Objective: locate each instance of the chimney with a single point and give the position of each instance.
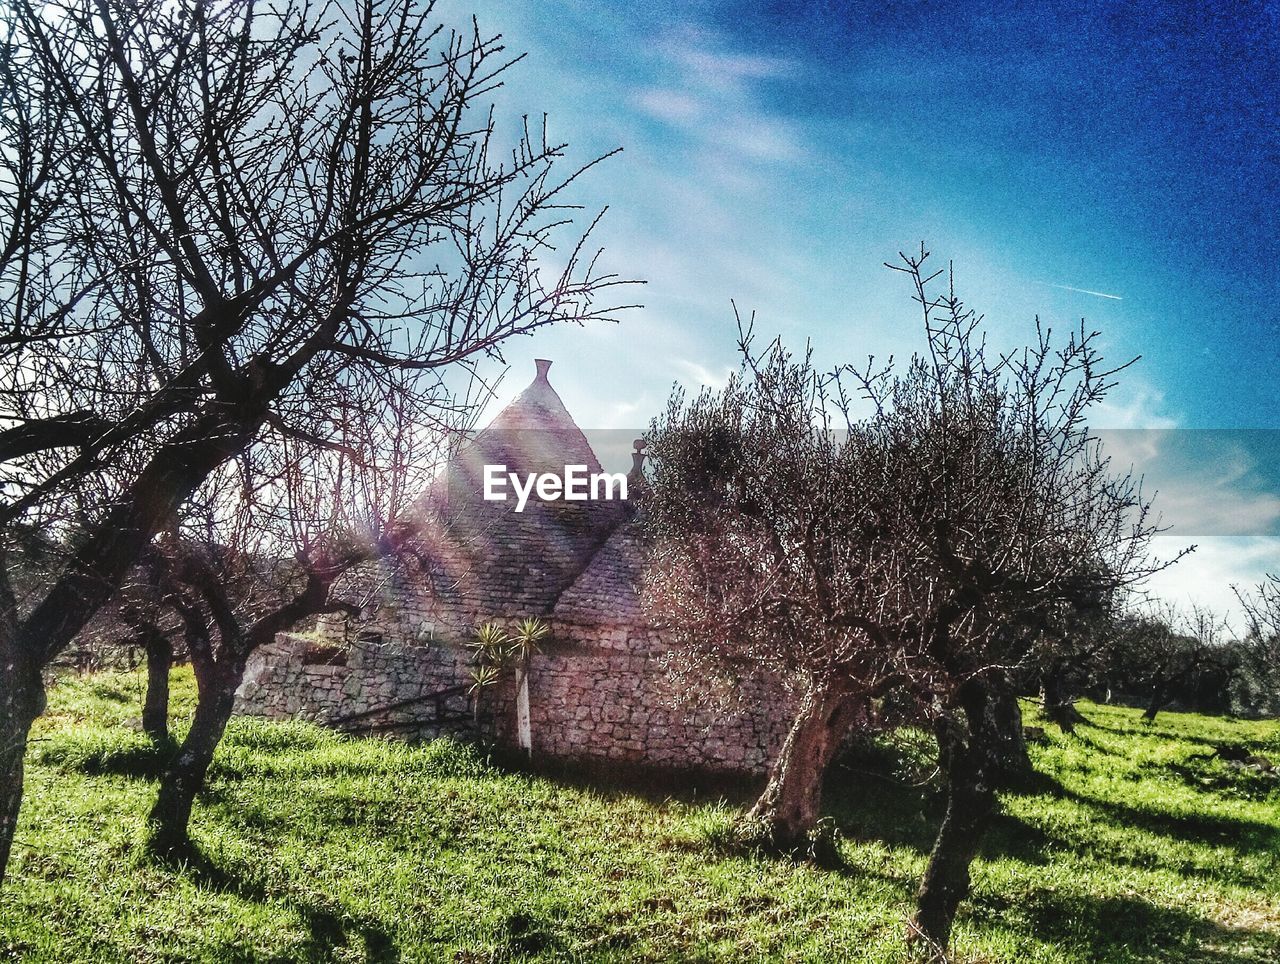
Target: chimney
(637, 460)
(544, 366)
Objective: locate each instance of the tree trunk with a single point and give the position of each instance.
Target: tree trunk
(973, 756)
(94, 573)
(1155, 704)
(155, 706)
(1009, 748)
(970, 806)
(524, 730)
(184, 778)
(791, 802)
(1059, 707)
(14, 738)
(22, 700)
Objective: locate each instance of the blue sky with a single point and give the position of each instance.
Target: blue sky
(777, 153)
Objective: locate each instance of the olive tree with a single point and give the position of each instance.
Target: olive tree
(761, 532)
(998, 509)
(1162, 653)
(1258, 682)
(906, 531)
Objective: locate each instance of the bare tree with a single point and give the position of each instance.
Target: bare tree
(141, 618)
(1071, 652)
(258, 201)
(267, 537)
(1163, 653)
(923, 551)
(1260, 648)
(998, 508)
(760, 525)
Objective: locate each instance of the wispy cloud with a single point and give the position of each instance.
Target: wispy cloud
(722, 67)
(1135, 405)
(698, 376)
(710, 94)
(1206, 482)
(669, 106)
(1083, 291)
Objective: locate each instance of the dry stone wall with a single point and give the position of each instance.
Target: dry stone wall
(301, 677)
(598, 694)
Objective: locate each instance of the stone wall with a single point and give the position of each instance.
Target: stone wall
(610, 698)
(302, 677)
(598, 694)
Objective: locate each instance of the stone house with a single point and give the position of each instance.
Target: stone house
(598, 690)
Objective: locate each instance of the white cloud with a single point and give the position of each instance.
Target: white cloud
(731, 66)
(702, 55)
(697, 377)
(1135, 405)
(761, 138)
(1205, 576)
(1204, 482)
(710, 95)
(670, 106)
(1220, 509)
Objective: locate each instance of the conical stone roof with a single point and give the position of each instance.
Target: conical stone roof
(491, 561)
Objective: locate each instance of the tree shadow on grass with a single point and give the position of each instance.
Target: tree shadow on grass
(616, 780)
(329, 928)
(1242, 835)
(1128, 928)
(1245, 837)
(142, 760)
(1157, 730)
(905, 815)
(1202, 775)
(875, 806)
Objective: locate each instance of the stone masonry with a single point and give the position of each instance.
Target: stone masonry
(599, 690)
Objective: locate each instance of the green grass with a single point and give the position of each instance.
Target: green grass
(1128, 847)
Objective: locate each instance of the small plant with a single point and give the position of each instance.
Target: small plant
(488, 653)
(494, 650)
(489, 645)
(482, 677)
(526, 639)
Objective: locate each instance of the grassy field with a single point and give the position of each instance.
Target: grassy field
(1131, 847)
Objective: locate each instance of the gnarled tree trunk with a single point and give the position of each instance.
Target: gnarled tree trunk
(1009, 740)
(791, 802)
(184, 778)
(977, 752)
(219, 670)
(1156, 702)
(1059, 707)
(970, 806)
